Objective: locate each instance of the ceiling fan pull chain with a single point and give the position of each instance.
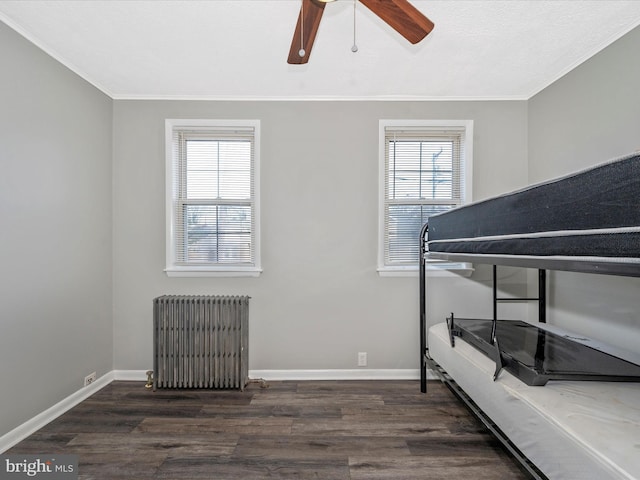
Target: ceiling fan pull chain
(354, 48)
(301, 52)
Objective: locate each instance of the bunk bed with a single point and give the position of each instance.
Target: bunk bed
(565, 405)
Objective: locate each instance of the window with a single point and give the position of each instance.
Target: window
(423, 167)
(212, 198)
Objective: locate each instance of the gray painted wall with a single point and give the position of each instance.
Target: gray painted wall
(589, 116)
(319, 300)
(55, 240)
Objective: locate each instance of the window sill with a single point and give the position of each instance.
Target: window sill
(206, 271)
(442, 270)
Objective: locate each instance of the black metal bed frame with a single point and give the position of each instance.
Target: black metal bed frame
(488, 343)
(541, 299)
(491, 348)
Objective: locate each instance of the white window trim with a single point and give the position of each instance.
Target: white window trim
(461, 269)
(173, 270)
(433, 269)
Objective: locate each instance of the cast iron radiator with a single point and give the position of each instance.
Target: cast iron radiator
(200, 341)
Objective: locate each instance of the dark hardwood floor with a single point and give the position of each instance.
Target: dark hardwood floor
(292, 430)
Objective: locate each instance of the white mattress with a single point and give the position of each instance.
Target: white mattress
(569, 430)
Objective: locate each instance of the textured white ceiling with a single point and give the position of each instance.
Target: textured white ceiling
(237, 49)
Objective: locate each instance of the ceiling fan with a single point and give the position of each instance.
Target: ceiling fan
(398, 14)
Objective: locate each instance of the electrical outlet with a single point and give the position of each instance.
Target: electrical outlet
(362, 359)
(89, 379)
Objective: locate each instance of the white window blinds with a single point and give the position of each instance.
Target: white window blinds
(423, 174)
(213, 198)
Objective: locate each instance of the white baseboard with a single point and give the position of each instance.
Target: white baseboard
(300, 375)
(327, 374)
(337, 374)
(36, 423)
(130, 375)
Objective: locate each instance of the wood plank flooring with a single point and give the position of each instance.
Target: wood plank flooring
(292, 430)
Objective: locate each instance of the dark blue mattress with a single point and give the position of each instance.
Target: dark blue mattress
(588, 221)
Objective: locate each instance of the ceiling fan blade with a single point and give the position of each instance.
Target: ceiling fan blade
(306, 29)
(403, 17)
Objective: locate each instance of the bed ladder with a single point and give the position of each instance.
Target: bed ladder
(541, 298)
